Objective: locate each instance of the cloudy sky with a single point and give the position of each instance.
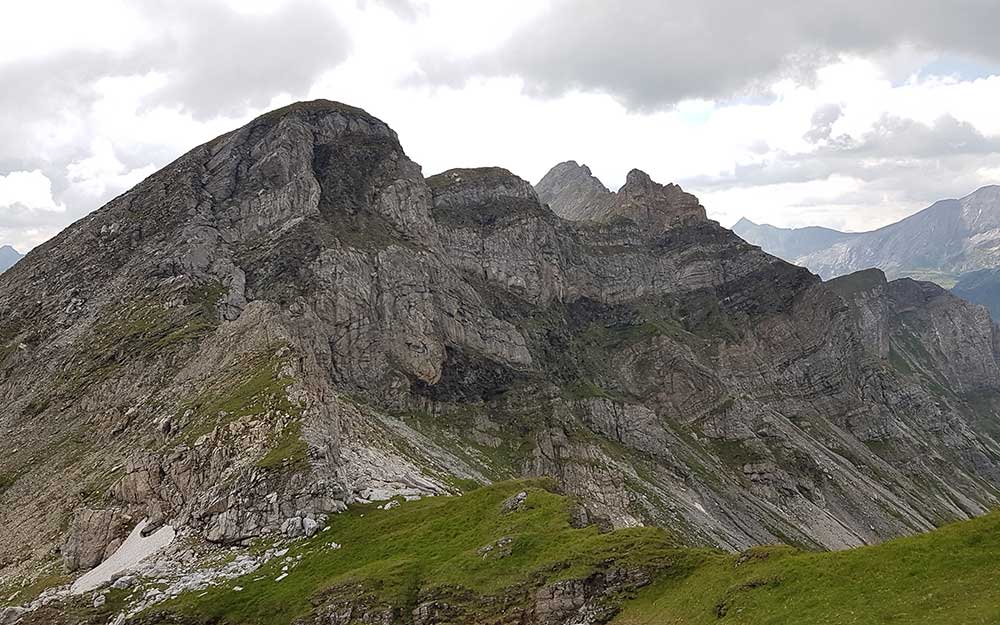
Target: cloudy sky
(848, 113)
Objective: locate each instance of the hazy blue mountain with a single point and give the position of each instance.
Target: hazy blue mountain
(789, 242)
(940, 243)
(981, 287)
(955, 243)
(8, 256)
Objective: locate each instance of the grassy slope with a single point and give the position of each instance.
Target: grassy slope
(946, 577)
(432, 543)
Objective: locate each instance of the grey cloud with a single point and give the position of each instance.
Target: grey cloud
(822, 123)
(898, 158)
(651, 54)
(407, 9)
(894, 137)
(217, 62)
(221, 62)
(894, 146)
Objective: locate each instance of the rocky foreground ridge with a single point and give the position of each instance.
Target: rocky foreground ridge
(291, 319)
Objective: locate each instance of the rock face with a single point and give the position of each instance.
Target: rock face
(8, 256)
(93, 536)
(291, 318)
(572, 192)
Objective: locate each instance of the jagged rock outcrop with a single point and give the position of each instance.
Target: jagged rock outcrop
(93, 536)
(572, 192)
(658, 207)
(291, 318)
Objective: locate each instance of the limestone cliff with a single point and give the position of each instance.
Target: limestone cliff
(291, 318)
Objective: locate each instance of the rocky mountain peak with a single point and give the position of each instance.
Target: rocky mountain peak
(654, 205)
(291, 319)
(638, 178)
(573, 192)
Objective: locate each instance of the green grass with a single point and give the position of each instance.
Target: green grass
(252, 386)
(389, 556)
(290, 449)
(857, 282)
(392, 559)
(946, 577)
(585, 389)
(18, 595)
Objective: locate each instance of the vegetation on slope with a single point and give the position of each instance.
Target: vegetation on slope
(468, 551)
(460, 546)
(945, 577)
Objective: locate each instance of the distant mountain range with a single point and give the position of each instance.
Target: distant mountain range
(955, 243)
(8, 256)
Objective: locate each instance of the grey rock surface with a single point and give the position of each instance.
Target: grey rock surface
(320, 325)
(572, 192)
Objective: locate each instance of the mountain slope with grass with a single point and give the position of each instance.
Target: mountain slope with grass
(515, 552)
(944, 577)
(291, 320)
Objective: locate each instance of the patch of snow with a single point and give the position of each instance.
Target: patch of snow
(700, 507)
(134, 550)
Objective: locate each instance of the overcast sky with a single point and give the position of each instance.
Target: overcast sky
(849, 114)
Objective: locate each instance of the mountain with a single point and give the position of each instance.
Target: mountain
(572, 192)
(290, 328)
(790, 243)
(8, 256)
(955, 243)
(982, 287)
(941, 242)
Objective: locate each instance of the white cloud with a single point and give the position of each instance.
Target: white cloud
(20, 190)
(100, 131)
(101, 173)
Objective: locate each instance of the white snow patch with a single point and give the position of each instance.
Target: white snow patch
(700, 507)
(134, 550)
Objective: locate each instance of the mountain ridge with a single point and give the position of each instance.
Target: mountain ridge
(291, 319)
